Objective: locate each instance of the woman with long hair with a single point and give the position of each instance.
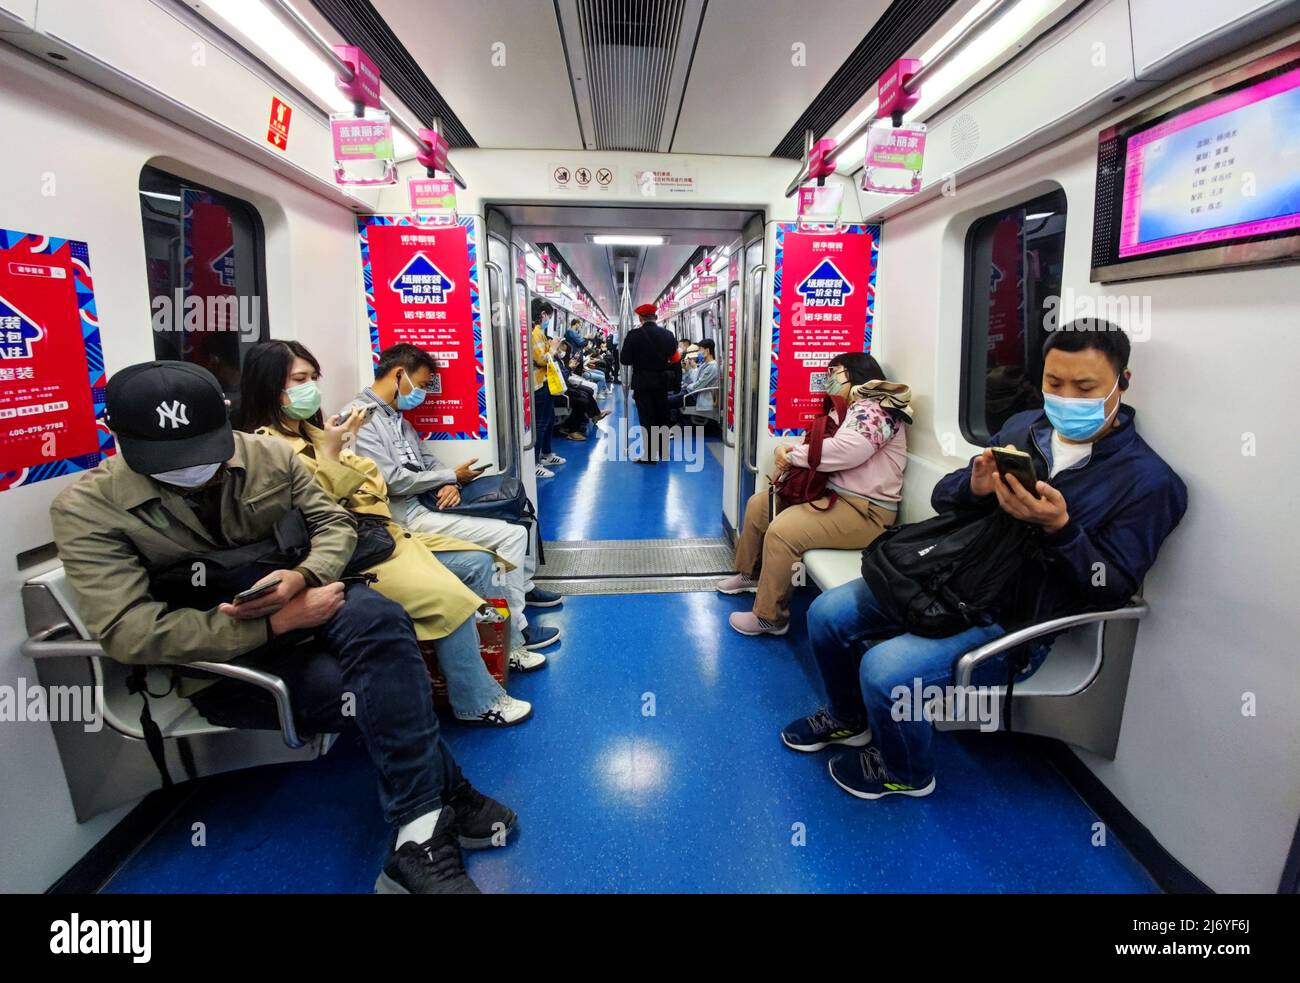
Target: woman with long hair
(280, 399)
(864, 460)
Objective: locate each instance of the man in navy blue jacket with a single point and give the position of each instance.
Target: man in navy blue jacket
(1108, 503)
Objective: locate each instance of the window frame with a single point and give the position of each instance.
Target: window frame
(248, 234)
(979, 437)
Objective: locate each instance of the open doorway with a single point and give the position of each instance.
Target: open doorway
(611, 522)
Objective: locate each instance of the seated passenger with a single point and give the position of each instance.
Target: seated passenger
(583, 408)
(704, 376)
(1110, 503)
(281, 399)
(410, 468)
(865, 460)
(185, 485)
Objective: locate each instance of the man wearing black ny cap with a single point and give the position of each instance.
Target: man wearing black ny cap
(186, 485)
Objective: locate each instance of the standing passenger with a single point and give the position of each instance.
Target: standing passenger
(648, 349)
(542, 350)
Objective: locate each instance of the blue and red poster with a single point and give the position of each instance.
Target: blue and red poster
(823, 303)
(421, 287)
(51, 362)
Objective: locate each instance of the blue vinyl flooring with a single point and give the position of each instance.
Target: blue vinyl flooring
(652, 764)
(598, 496)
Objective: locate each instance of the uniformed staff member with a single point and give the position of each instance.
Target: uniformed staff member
(649, 350)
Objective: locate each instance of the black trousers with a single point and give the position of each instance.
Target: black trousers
(652, 413)
(362, 674)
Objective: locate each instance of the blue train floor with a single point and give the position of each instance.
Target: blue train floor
(597, 495)
(652, 763)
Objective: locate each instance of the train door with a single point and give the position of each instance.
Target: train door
(750, 362)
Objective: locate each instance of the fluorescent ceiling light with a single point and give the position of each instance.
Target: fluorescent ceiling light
(281, 43)
(620, 240)
(159, 194)
(1009, 26)
(533, 262)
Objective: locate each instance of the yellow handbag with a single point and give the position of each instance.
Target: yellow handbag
(555, 381)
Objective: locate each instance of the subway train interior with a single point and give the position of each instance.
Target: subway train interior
(668, 337)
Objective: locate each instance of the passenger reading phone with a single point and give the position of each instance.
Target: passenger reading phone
(1111, 503)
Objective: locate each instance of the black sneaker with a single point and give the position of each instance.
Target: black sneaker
(432, 867)
(481, 821)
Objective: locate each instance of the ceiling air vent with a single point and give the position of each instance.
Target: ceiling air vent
(965, 137)
(628, 63)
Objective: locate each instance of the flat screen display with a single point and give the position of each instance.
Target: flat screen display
(1227, 169)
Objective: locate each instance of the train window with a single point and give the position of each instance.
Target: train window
(204, 257)
(1013, 269)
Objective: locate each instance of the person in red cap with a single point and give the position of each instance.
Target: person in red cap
(649, 350)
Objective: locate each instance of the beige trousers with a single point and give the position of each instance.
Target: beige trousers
(770, 550)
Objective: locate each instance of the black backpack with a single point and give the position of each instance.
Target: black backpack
(943, 575)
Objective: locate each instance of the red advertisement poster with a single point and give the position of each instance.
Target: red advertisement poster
(208, 252)
(526, 347)
(732, 314)
(421, 282)
(824, 297)
(51, 366)
(1006, 290)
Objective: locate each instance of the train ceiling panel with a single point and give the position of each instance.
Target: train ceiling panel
(734, 77)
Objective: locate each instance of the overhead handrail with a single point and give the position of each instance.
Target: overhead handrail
(308, 34)
(910, 85)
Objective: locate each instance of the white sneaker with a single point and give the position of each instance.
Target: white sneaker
(505, 712)
(522, 660)
(552, 459)
(544, 472)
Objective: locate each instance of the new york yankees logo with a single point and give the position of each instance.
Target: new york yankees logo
(175, 414)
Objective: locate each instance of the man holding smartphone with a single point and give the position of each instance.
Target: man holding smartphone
(411, 469)
(185, 485)
(1110, 503)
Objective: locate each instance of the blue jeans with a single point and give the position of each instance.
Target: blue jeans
(596, 376)
(370, 677)
(543, 419)
(470, 686)
(860, 687)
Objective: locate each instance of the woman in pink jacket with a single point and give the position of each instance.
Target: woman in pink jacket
(864, 460)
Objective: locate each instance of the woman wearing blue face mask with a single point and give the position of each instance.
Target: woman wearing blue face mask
(438, 579)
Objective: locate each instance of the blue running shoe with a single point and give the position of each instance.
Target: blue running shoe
(538, 637)
(862, 774)
(540, 598)
(822, 730)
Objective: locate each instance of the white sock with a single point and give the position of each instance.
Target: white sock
(418, 829)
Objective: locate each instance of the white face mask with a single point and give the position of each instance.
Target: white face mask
(191, 477)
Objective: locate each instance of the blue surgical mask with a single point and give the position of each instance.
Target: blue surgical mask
(409, 401)
(1078, 418)
(304, 401)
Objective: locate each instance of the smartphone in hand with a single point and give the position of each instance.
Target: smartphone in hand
(261, 590)
(1013, 461)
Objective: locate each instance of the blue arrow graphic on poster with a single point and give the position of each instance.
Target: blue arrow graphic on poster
(825, 286)
(224, 267)
(17, 332)
(420, 282)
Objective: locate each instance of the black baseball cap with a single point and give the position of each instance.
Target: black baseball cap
(168, 415)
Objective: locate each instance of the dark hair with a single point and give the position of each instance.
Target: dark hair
(859, 366)
(1092, 333)
(406, 356)
(541, 308)
(266, 366)
(707, 345)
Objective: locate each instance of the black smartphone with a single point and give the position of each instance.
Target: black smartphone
(1013, 461)
(481, 468)
(261, 590)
